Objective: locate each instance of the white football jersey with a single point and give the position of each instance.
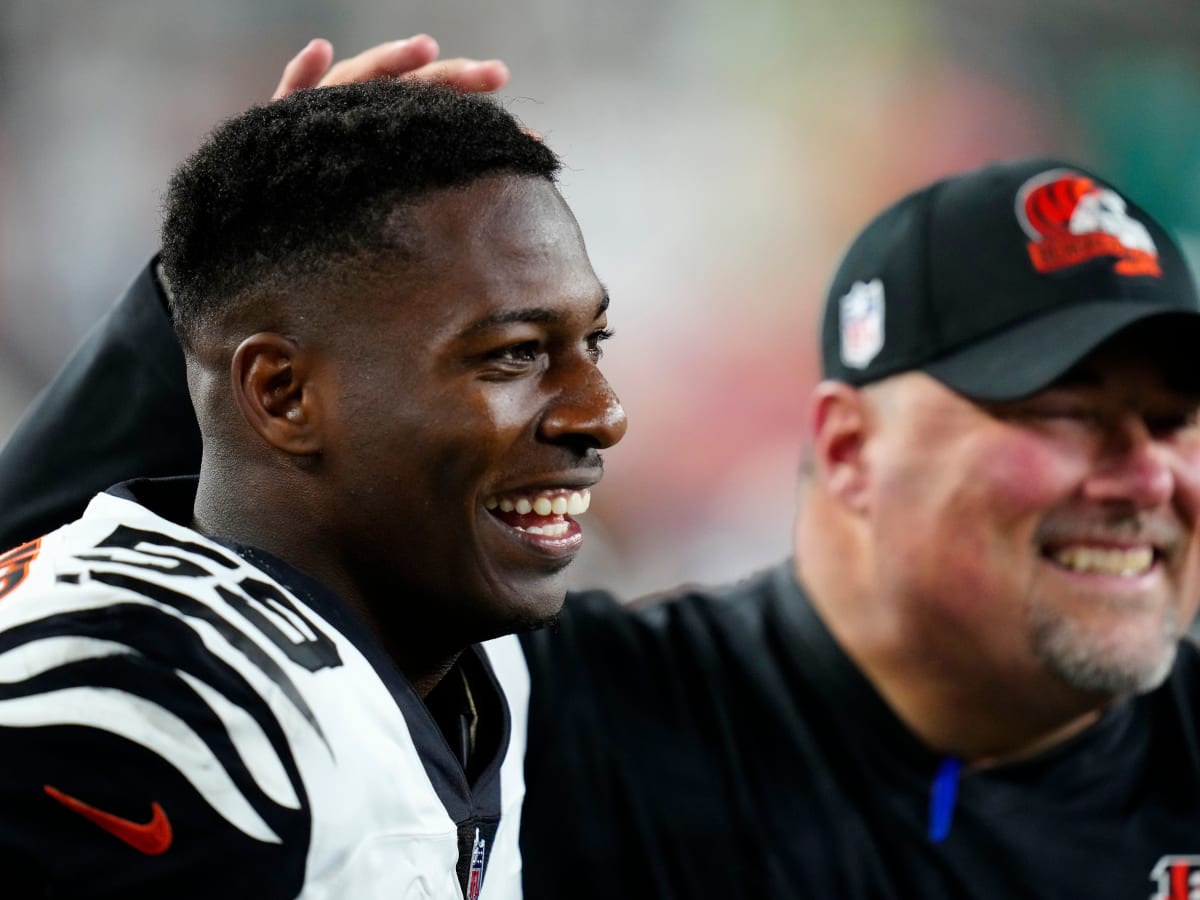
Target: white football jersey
(184, 718)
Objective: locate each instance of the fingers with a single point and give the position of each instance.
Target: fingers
(468, 75)
(384, 61)
(415, 57)
(306, 68)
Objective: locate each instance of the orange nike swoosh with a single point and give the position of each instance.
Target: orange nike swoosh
(152, 838)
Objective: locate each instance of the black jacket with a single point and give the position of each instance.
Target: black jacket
(119, 409)
(722, 744)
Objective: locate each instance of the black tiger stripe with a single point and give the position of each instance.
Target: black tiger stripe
(158, 683)
(193, 608)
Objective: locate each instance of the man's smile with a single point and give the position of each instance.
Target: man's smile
(1096, 559)
(1129, 549)
(544, 513)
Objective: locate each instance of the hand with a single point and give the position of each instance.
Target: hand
(414, 58)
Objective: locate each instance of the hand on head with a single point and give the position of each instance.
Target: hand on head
(415, 57)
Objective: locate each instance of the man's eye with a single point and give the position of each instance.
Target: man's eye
(1050, 413)
(524, 352)
(1065, 412)
(1172, 423)
(594, 340)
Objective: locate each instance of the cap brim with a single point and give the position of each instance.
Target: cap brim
(1028, 357)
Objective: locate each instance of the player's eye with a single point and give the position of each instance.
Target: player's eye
(524, 352)
(594, 340)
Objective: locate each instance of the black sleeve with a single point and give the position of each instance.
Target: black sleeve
(600, 697)
(118, 409)
(636, 783)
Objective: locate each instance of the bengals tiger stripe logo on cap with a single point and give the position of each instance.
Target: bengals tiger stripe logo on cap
(1071, 220)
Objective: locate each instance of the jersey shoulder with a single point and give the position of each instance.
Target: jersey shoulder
(129, 737)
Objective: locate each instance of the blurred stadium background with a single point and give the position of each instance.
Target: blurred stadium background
(719, 156)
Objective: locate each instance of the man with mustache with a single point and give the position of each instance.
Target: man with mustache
(969, 681)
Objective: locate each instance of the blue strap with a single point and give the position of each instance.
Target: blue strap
(942, 798)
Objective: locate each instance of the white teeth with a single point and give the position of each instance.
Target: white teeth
(543, 504)
(554, 529)
(1106, 560)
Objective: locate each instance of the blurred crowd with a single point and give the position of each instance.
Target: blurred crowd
(718, 156)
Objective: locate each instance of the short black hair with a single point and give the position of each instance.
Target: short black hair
(288, 191)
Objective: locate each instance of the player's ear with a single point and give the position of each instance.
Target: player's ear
(276, 392)
(838, 423)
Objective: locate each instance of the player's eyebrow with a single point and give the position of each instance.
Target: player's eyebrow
(536, 315)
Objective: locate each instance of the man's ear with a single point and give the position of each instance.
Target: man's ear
(840, 426)
(276, 392)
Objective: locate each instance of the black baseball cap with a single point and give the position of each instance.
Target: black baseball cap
(998, 281)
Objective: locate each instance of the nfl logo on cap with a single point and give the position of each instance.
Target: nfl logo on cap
(862, 323)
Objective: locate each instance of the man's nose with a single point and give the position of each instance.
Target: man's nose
(585, 410)
(1134, 466)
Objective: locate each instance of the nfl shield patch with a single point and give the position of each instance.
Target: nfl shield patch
(478, 854)
(862, 323)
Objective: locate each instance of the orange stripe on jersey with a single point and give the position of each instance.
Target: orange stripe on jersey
(14, 565)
